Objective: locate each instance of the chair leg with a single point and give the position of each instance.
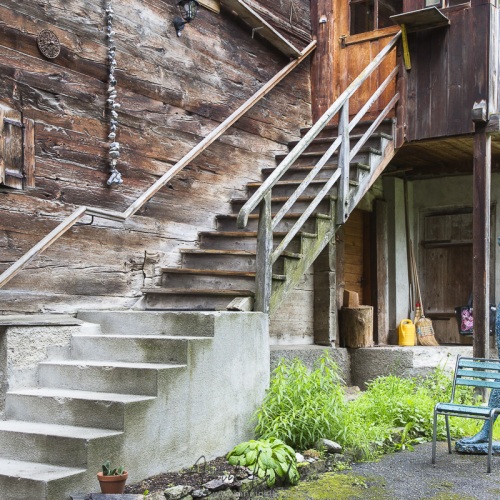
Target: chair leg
(448, 435)
(490, 444)
(434, 433)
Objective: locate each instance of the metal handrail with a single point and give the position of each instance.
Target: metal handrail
(72, 219)
(262, 196)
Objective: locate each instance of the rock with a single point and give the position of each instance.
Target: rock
(223, 495)
(179, 492)
(300, 458)
(330, 446)
(216, 485)
(156, 495)
(201, 493)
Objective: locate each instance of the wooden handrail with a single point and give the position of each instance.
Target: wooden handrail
(69, 221)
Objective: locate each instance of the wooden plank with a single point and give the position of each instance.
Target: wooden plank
(381, 313)
(481, 239)
(29, 152)
(423, 19)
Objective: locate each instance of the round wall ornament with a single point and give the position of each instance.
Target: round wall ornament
(48, 44)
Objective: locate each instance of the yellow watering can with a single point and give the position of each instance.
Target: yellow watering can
(406, 332)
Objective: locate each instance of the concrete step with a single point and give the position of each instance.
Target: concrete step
(239, 260)
(105, 376)
(31, 481)
(184, 324)
(240, 240)
(70, 407)
(133, 348)
(300, 172)
(300, 205)
(178, 299)
(210, 279)
(53, 444)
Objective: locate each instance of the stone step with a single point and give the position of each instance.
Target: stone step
(288, 187)
(229, 223)
(105, 376)
(210, 278)
(71, 407)
(52, 443)
(175, 299)
(300, 205)
(133, 348)
(307, 159)
(240, 240)
(148, 323)
(31, 481)
(239, 260)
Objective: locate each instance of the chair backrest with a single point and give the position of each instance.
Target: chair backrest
(478, 372)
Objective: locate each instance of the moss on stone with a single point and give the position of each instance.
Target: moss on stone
(339, 486)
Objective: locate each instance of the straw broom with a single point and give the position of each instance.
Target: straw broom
(423, 325)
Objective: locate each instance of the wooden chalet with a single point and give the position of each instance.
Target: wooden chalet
(273, 155)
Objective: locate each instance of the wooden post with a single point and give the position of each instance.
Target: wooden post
(381, 316)
(325, 297)
(481, 239)
(264, 278)
(322, 70)
(344, 155)
(357, 326)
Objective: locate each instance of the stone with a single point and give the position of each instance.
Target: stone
(300, 458)
(330, 446)
(222, 495)
(216, 485)
(179, 492)
(156, 495)
(201, 493)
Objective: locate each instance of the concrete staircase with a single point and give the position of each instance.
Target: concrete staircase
(137, 388)
(221, 271)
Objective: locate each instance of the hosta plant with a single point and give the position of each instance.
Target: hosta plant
(270, 459)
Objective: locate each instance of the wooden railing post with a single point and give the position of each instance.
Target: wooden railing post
(264, 276)
(343, 165)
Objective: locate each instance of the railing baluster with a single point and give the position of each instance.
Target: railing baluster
(264, 278)
(343, 165)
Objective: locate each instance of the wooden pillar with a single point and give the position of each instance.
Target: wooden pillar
(322, 70)
(481, 240)
(381, 316)
(325, 297)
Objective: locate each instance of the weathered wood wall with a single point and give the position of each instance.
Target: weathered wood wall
(173, 92)
(449, 72)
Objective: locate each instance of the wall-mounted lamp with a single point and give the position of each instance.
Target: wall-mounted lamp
(188, 10)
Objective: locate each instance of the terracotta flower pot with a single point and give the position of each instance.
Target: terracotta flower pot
(112, 484)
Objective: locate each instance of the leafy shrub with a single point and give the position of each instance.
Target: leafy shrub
(269, 458)
(108, 470)
(302, 406)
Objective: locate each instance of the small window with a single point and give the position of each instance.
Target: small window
(17, 149)
(370, 15)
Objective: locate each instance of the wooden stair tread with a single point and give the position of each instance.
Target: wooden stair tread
(251, 234)
(199, 291)
(310, 154)
(362, 123)
(249, 253)
(288, 215)
(215, 272)
(308, 168)
(295, 182)
(286, 198)
(329, 140)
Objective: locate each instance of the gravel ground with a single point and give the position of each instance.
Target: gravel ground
(411, 476)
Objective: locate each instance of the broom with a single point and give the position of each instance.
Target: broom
(423, 325)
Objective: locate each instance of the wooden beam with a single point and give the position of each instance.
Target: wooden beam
(261, 26)
(381, 313)
(481, 240)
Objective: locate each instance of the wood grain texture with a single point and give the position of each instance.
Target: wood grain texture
(173, 92)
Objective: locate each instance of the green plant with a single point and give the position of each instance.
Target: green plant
(269, 458)
(108, 470)
(302, 406)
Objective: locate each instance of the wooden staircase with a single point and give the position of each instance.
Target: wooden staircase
(222, 271)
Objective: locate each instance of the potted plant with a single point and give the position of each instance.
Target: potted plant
(112, 479)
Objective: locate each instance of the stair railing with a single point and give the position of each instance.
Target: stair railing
(72, 219)
(266, 257)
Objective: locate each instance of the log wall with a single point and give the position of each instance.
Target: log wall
(173, 92)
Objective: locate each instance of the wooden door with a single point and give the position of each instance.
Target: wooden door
(446, 274)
